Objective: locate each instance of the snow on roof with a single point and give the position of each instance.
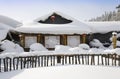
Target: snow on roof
(71, 28)
(76, 27)
(4, 30)
(104, 27)
(57, 12)
(9, 21)
(65, 72)
(54, 28)
(5, 26)
(3, 34)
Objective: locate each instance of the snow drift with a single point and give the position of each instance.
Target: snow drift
(9, 46)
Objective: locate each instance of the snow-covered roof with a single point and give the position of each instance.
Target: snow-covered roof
(9, 21)
(54, 29)
(7, 24)
(4, 29)
(3, 34)
(104, 27)
(75, 27)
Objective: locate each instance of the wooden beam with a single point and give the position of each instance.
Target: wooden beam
(65, 39)
(22, 40)
(83, 38)
(114, 41)
(38, 38)
(42, 39)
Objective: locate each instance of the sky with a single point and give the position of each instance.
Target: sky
(23, 10)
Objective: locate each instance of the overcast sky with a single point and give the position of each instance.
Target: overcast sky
(31, 9)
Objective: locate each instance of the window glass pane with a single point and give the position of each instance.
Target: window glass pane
(73, 41)
(30, 40)
(51, 41)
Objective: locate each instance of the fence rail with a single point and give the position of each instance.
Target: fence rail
(17, 63)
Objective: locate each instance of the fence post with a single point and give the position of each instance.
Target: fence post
(79, 59)
(54, 60)
(47, 60)
(51, 60)
(44, 60)
(88, 58)
(108, 58)
(105, 59)
(115, 58)
(21, 62)
(75, 59)
(82, 59)
(66, 59)
(69, 59)
(98, 58)
(72, 59)
(62, 60)
(10, 64)
(119, 59)
(4, 63)
(0, 64)
(102, 59)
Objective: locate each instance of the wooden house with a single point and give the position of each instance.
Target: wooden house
(59, 29)
(54, 29)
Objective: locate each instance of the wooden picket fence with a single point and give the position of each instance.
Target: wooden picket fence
(17, 63)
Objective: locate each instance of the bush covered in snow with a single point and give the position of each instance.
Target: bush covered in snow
(84, 46)
(9, 46)
(37, 47)
(96, 43)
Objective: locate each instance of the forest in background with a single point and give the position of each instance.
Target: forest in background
(109, 16)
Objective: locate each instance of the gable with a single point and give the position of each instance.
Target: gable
(55, 19)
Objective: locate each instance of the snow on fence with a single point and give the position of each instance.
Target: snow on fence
(21, 62)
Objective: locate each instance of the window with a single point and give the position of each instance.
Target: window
(73, 41)
(51, 41)
(30, 40)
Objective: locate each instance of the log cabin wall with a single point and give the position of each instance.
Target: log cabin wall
(41, 39)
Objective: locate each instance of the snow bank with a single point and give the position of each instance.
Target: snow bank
(75, 49)
(37, 47)
(78, 50)
(9, 46)
(112, 51)
(65, 72)
(96, 51)
(68, 50)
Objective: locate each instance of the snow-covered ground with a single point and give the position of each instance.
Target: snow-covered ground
(65, 72)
